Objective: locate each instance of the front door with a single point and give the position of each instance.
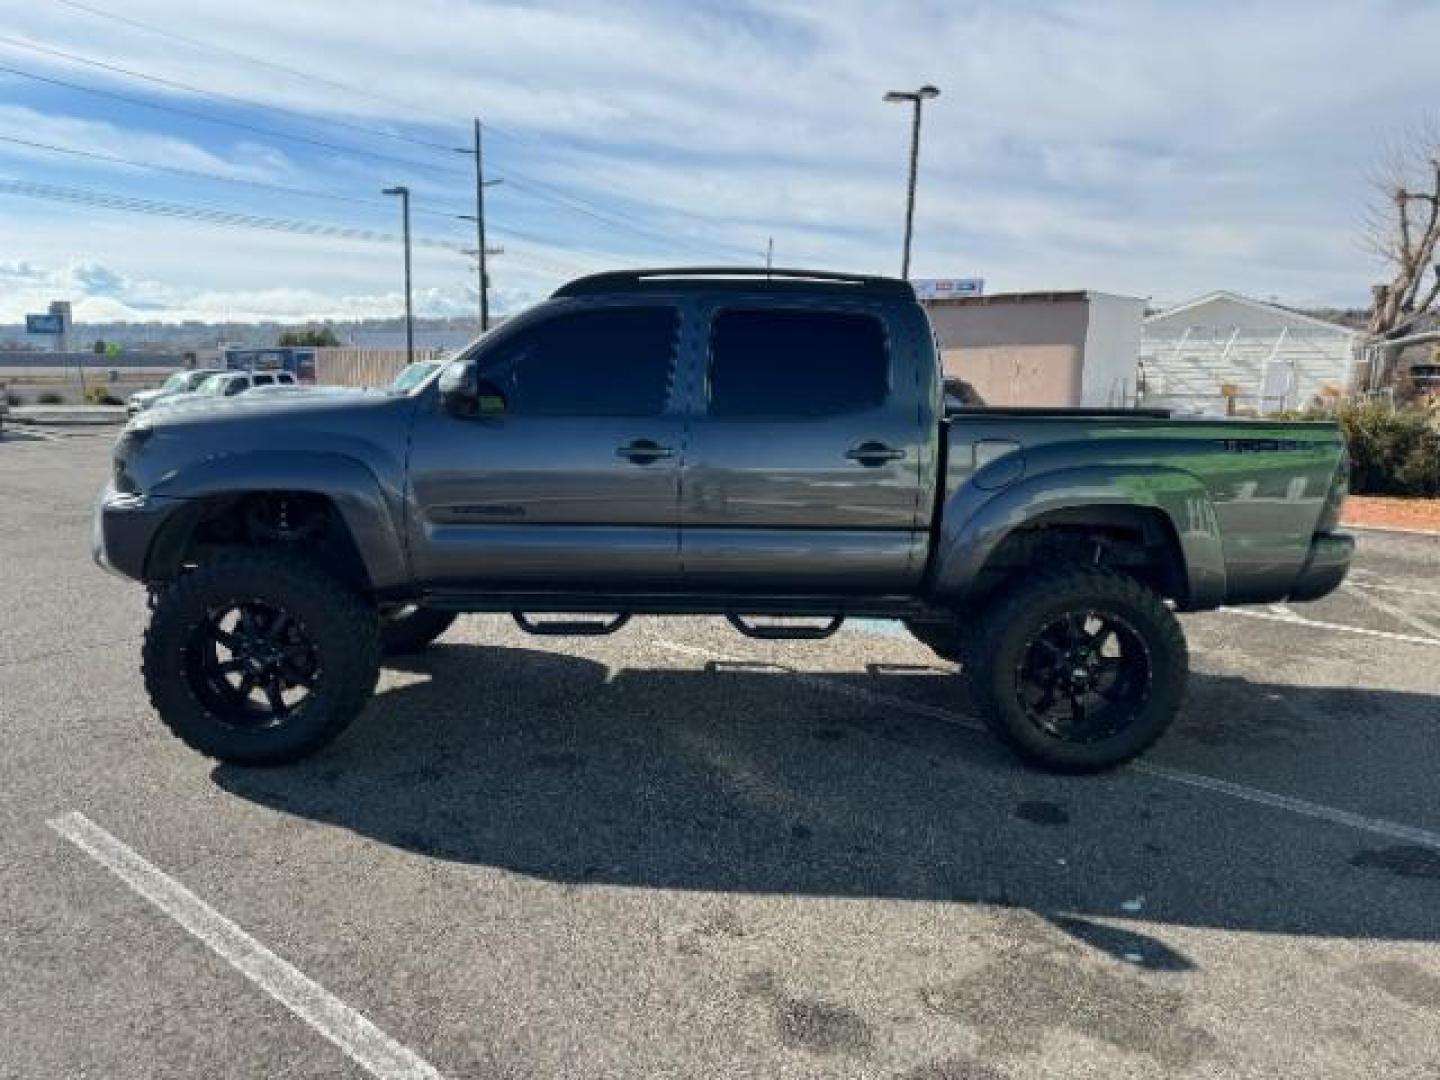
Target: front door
(576, 483)
(804, 463)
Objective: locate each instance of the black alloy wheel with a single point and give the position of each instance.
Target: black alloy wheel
(252, 664)
(1084, 676)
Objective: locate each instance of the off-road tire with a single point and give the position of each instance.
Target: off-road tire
(412, 628)
(343, 626)
(1016, 618)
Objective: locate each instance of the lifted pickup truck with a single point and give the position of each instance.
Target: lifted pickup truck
(728, 442)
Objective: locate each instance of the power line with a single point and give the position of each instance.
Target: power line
(540, 190)
(578, 206)
(251, 58)
(216, 216)
(212, 215)
(281, 188)
(192, 114)
(191, 88)
(530, 185)
(178, 170)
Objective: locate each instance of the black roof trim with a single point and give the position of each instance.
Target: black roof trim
(659, 278)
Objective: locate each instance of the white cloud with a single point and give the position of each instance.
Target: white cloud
(32, 126)
(1154, 148)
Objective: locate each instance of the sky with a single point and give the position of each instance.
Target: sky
(1160, 150)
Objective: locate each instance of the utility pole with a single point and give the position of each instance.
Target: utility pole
(769, 253)
(404, 193)
(478, 218)
(916, 97)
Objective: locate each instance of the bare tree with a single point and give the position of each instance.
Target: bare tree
(1403, 227)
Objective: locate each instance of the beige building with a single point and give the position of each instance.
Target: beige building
(1042, 348)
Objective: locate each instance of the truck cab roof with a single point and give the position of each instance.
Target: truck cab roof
(748, 279)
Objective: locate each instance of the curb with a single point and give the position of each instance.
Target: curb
(1391, 529)
(68, 416)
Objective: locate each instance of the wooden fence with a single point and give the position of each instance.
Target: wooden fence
(346, 366)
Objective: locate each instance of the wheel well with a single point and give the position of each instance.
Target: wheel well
(302, 521)
(1137, 541)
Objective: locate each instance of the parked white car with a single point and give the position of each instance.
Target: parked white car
(231, 383)
(181, 382)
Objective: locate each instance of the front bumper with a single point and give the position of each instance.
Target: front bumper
(125, 527)
(1325, 567)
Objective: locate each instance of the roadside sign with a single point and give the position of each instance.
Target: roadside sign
(947, 288)
(46, 323)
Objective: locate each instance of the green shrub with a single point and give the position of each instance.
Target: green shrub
(99, 395)
(50, 397)
(1392, 451)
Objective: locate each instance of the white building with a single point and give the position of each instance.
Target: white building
(1197, 356)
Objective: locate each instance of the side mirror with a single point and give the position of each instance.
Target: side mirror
(464, 393)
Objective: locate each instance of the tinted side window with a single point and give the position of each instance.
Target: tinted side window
(607, 362)
(766, 362)
(264, 380)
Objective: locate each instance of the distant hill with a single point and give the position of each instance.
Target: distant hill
(198, 336)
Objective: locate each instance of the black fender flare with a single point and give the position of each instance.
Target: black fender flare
(372, 514)
(975, 521)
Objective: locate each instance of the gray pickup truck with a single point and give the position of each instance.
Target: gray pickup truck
(772, 446)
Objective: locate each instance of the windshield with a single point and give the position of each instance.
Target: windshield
(177, 381)
(212, 385)
(414, 375)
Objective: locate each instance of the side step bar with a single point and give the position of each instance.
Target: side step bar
(570, 627)
(600, 627)
(784, 631)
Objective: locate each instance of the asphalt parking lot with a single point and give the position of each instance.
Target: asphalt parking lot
(676, 852)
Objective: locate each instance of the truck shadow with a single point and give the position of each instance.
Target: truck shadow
(734, 779)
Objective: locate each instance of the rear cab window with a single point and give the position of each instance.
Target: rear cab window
(791, 362)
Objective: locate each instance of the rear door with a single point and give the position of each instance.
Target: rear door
(576, 484)
(804, 462)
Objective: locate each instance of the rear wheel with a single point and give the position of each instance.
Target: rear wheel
(260, 658)
(408, 628)
(1079, 670)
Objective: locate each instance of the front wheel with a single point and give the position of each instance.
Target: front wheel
(260, 657)
(1080, 670)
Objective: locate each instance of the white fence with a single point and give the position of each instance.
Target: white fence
(1264, 370)
(346, 366)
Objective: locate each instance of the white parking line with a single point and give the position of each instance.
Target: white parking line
(365, 1043)
(1316, 624)
(1318, 811)
(1425, 627)
(1371, 583)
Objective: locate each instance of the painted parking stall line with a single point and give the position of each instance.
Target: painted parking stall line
(1316, 624)
(1243, 792)
(361, 1040)
(1424, 626)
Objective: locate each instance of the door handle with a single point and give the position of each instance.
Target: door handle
(871, 454)
(643, 451)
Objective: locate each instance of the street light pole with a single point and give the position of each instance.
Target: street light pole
(404, 193)
(916, 98)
